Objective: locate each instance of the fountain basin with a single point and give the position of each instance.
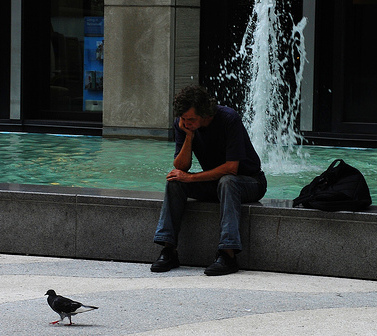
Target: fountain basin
(55, 211)
(96, 162)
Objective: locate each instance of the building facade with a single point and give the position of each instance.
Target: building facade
(112, 67)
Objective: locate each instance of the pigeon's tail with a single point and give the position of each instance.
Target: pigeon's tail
(84, 309)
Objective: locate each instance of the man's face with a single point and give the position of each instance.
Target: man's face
(191, 120)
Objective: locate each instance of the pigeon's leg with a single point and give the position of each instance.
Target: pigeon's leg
(70, 321)
(55, 322)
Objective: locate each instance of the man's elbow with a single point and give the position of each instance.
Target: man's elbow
(232, 167)
(233, 172)
(180, 166)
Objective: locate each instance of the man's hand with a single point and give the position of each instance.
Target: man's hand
(228, 168)
(186, 130)
(179, 175)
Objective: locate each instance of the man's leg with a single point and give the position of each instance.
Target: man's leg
(168, 227)
(232, 192)
(169, 224)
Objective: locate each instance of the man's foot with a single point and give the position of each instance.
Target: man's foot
(167, 260)
(224, 264)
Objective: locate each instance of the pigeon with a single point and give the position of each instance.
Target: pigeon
(65, 307)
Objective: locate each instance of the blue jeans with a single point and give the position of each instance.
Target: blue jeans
(231, 191)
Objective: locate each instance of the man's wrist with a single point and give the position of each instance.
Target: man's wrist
(189, 136)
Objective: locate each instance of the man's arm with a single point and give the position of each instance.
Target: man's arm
(228, 168)
(183, 160)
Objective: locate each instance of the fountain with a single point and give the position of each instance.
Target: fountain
(272, 57)
(267, 56)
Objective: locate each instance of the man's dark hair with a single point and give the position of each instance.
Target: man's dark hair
(194, 96)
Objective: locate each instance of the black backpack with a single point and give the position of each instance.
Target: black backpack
(340, 187)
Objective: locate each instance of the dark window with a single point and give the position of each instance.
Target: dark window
(345, 99)
(5, 59)
(62, 60)
(360, 66)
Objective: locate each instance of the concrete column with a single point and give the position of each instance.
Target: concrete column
(15, 70)
(151, 51)
(307, 90)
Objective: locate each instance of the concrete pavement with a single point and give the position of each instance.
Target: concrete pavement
(134, 301)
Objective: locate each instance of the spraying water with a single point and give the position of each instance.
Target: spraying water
(273, 55)
(272, 101)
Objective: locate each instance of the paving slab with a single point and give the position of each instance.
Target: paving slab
(134, 301)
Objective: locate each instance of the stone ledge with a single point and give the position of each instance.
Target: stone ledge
(119, 225)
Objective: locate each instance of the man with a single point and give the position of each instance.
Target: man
(231, 175)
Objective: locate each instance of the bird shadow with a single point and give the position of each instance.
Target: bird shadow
(78, 325)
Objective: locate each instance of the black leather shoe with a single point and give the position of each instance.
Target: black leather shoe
(224, 264)
(167, 260)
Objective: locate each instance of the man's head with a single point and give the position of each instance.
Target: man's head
(194, 97)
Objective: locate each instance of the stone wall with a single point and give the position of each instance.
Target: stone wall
(119, 225)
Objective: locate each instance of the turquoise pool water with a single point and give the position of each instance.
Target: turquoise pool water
(97, 162)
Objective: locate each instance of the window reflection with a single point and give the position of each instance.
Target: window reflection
(68, 64)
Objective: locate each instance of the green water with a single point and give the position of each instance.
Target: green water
(98, 162)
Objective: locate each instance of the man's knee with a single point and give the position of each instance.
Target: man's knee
(173, 186)
(178, 189)
(228, 179)
(227, 182)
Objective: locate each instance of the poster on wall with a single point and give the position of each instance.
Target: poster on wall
(93, 63)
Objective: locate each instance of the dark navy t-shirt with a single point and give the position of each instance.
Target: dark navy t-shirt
(224, 139)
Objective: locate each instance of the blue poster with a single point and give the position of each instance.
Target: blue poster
(93, 64)
(94, 26)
